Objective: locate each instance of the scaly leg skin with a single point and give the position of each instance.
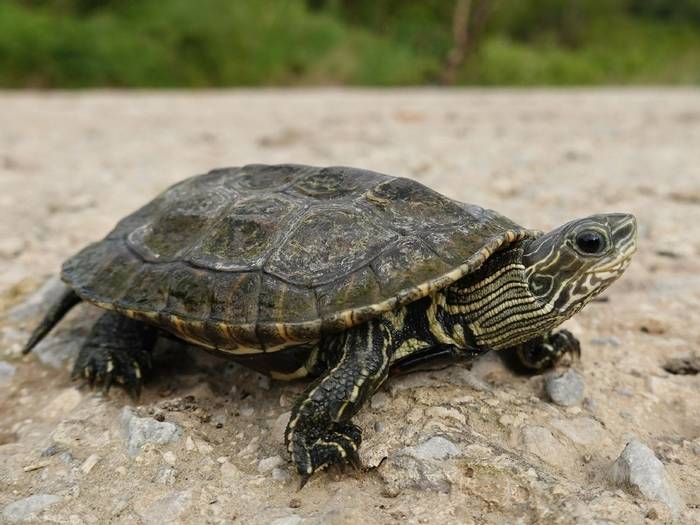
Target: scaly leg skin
(118, 349)
(320, 433)
(546, 351)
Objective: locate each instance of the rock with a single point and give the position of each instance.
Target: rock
(566, 388)
(279, 426)
(27, 508)
(89, 463)
(7, 371)
(165, 476)
(280, 474)
(582, 430)
(264, 382)
(639, 469)
(422, 466)
(170, 458)
(141, 430)
(287, 520)
(436, 448)
(267, 464)
(606, 341)
(167, 509)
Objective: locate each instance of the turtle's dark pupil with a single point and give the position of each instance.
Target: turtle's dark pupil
(590, 242)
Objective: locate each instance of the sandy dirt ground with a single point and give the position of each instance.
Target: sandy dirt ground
(481, 445)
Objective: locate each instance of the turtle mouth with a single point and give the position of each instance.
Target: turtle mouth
(614, 268)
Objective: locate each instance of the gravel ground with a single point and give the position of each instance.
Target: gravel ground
(482, 446)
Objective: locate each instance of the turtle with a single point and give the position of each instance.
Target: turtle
(340, 275)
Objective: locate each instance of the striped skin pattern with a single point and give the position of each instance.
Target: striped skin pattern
(502, 305)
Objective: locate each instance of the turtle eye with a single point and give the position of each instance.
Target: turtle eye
(590, 242)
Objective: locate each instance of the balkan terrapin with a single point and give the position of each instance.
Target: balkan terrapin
(338, 274)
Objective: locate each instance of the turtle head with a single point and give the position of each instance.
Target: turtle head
(569, 266)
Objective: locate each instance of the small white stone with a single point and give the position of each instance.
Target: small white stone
(287, 520)
(189, 444)
(26, 508)
(89, 463)
(264, 382)
(267, 464)
(170, 458)
(280, 474)
(279, 426)
(434, 448)
(246, 411)
(139, 431)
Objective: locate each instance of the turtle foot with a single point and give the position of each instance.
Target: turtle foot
(336, 447)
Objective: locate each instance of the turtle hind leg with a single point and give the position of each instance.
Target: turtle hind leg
(320, 433)
(117, 350)
(67, 300)
(543, 353)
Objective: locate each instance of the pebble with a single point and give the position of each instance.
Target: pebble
(89, 463)
(267, 464)
(167, 509)
(27, 508)
(280, 425)
(565, 389)
(165, 476)
(287, 520)
(435, 448)
(280, 474)
(264, 382)
(169, 458)
(606, 341)
(639, 469)
(7, 371)
(141, 430)
(246, 411)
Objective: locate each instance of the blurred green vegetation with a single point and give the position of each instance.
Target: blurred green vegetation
(186, 43)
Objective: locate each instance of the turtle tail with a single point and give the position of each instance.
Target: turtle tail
(67, 300)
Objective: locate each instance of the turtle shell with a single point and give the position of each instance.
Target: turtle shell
(260, 257)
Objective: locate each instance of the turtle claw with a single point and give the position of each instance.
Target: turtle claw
(335, 449)
(100, 366)
(303, 479)
(354, 460)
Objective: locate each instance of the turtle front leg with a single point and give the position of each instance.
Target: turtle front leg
(320, 432)
(118, 349)
(546, 351)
